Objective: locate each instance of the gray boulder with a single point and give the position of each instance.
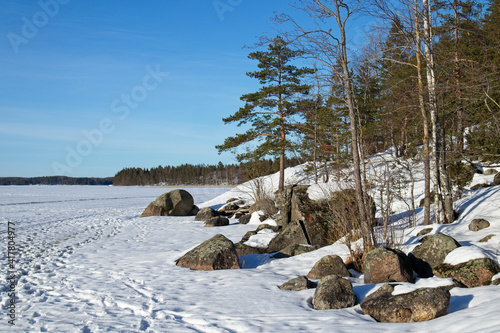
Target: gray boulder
(290, 235)
(419, 305)
(478, 186)
(333, 292)
(473, 273)
(328, 265)
(173, 203)
(387, 265)
(424, 232)
(274, 228)
(297, 284)
(478, 224)
(496, 179)
(490, 172)
(205, 214)
(216, 253)
(244, 219)
(431, 252)
(218, 221)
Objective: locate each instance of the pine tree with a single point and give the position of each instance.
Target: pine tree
(271, 110)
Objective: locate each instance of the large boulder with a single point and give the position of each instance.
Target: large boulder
(297, 284)
(290, 235)
(473, 273)
(216, 253)
(173, 203)
(333, 292)
(431, 252)
(478, 224)
(328, 265)
(416, 306)
(387, 265)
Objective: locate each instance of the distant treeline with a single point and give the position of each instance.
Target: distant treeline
(200, 174)
(55, 180)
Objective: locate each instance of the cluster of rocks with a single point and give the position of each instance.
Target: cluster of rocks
(306, 225)
(390, 266)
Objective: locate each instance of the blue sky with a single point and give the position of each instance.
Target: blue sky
(90, 87)
(65, 65)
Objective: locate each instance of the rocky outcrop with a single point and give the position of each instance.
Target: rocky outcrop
(333, 292)
(216, 253)
(284, 204)
(205, 214)
(328, 265)
(478, 224)
(387, 265)
(173, 203)
(419, 305)
(473, 273)
(218, 221)
(431, 252)
(298, 283)
(306, 221)
(314, 222)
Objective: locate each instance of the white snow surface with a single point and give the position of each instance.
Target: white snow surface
(87, 262)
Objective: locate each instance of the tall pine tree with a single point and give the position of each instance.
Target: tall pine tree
(271, 110)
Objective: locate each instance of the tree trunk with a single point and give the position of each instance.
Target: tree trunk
(360, 196)
(458, 90)
(432, 106)
(425, 121)
(440, 176)
(281, 185)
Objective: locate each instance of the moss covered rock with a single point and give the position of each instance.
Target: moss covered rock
(216, 253)
(473, 273)
(419, 305)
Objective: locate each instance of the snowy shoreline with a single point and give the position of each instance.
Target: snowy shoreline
(87, 262)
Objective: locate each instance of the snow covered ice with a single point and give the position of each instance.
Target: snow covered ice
(86, 262)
